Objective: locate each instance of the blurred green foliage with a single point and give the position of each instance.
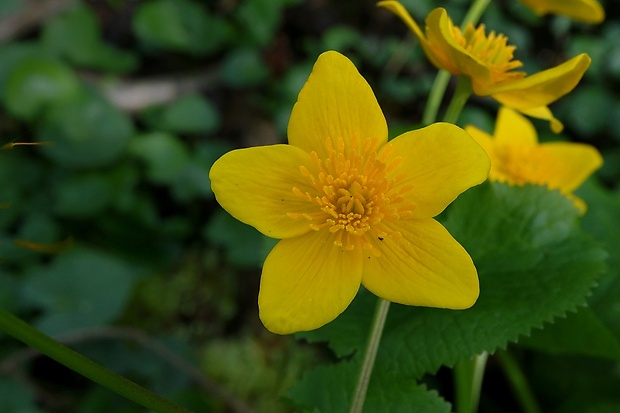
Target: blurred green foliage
(111, 221)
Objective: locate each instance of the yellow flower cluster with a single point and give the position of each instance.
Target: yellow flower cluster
(487, 60)
(350, 208)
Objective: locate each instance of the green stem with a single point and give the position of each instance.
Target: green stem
(374, 338)
(468, 376)
(440, 84)
(460, 97)
(518, 382)
(474, 13)
(27, 334)
(438, 90)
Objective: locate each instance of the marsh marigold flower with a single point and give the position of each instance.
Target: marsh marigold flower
(517, 158)
(487, 60)
(350, 208)
(587, 11)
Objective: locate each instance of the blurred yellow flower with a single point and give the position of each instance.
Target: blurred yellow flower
(487, 60)
(587, 11)
(350, 208)
(517, 158)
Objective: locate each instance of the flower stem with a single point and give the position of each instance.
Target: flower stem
(517, 380)
(27, 334)
(440, 84)
(474, 13)
(460, 97)
(468, 383)
(434, 98)
(374, 337)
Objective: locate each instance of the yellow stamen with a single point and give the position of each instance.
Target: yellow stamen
(493, 50)
(353, 194)
(518, 165)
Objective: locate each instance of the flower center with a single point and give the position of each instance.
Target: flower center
(493, 50)
(353, 195)
(519, 165)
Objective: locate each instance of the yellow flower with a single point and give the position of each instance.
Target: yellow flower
(517, 158)
(350, 208)
(488, 61)
(587, 11)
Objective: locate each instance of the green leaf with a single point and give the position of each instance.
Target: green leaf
(13, 53)
(190, 114)
(534, 261)
(179, 25)
(243, 244)
(86, 132)
(582, 112)
(76, 35)
(17, 398)
(164, 154)
(9, 288)
(578, 333)
(243, 68)
(37, 83)
(194, 182)
(602, 221)
(569, 384)
(260, 19)
(78, 289)
(348, 333)
(386, 393)
(83, 195)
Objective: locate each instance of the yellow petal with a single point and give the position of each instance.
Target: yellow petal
(587, 11)
(452, 56)
(542, 88)
(439, 162)
(511, 128)
(426, 267)
(543, 112)
(255, 185)
(307, 282)
(568, 164)
(483, 139)
(398, 9)
(336, 103)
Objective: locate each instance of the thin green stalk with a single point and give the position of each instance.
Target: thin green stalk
(460, 97)
(468, 376)
(374, 338)
(438, 90)
(440, 84)
(474, 13)
(34, 338)
(519, 383)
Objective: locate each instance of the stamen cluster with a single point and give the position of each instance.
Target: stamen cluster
(493, 50)
(353, 195)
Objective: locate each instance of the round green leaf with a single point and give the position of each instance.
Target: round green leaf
(36, 83)
(76, 35)
(244, 67)
(179, 25)
(190, 114)
(85, 133)
(164, 154)
(83, 195)
(81, 288)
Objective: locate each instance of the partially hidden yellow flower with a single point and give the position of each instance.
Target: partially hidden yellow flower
(517, 158)
(587, 11)
(489, 63)
(350, 208)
